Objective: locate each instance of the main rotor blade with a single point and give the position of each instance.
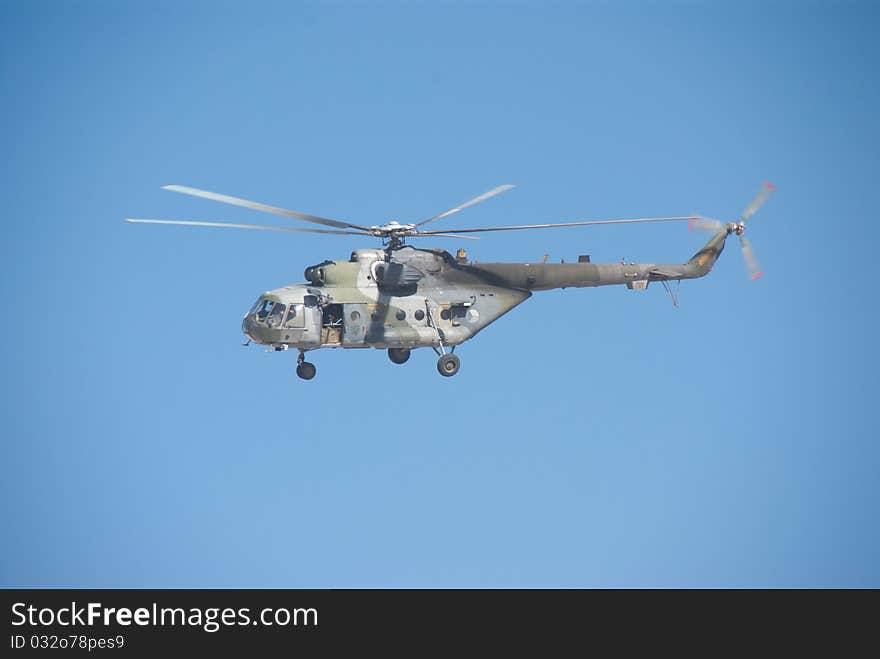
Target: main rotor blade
(471, 202)
(766, 190)
(751, 261)
(441, 235)
(564, 224)
(229, 225)
(235, 201)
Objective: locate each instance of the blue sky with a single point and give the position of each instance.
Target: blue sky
(592, 437)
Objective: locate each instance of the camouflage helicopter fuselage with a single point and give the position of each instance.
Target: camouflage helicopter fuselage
(400, 297)
(410, 298)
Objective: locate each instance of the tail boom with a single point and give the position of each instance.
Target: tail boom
(547, 276)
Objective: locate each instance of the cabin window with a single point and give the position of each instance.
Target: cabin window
(294, 316)
(400, 315)
(419, 314)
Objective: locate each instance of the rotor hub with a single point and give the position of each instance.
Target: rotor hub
(394, 232)
(736, 227)
(392, 228)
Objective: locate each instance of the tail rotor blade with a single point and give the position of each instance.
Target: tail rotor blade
(752, 264)
(766, 190)
(698, 223)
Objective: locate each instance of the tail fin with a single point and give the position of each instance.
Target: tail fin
(705, 258)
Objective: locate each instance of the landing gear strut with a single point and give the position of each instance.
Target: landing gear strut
(448, 365)
(305, 370)
(398, 355)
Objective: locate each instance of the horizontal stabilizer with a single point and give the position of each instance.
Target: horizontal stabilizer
(666, 272)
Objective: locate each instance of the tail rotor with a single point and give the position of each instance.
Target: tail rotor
(699, 223)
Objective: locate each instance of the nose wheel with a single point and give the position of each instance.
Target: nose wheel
(448, 365)
(305, 370)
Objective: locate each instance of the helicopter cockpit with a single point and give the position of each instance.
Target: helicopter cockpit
(294, 316)
(275, 315)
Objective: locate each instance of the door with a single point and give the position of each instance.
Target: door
(356, 317)
(331, 325)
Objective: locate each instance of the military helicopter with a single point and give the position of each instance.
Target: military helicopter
(399, 297)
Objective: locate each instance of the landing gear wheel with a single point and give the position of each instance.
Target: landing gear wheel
(306, 370)
(398, 355)
(448, 365)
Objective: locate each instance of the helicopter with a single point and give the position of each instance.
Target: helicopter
(399, 297)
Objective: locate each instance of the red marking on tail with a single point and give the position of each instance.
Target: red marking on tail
(770, 186)
(757, 274)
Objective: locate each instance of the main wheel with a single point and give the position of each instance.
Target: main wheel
(306, 370)
(398, 355)
(448, 365)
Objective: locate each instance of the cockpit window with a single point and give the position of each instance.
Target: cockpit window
(294, 316)
(255, 305)
(264, 309)
(276, 315)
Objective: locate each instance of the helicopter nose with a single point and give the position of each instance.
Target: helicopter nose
(246, 325)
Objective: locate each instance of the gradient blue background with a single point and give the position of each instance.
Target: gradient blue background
(592, 438)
